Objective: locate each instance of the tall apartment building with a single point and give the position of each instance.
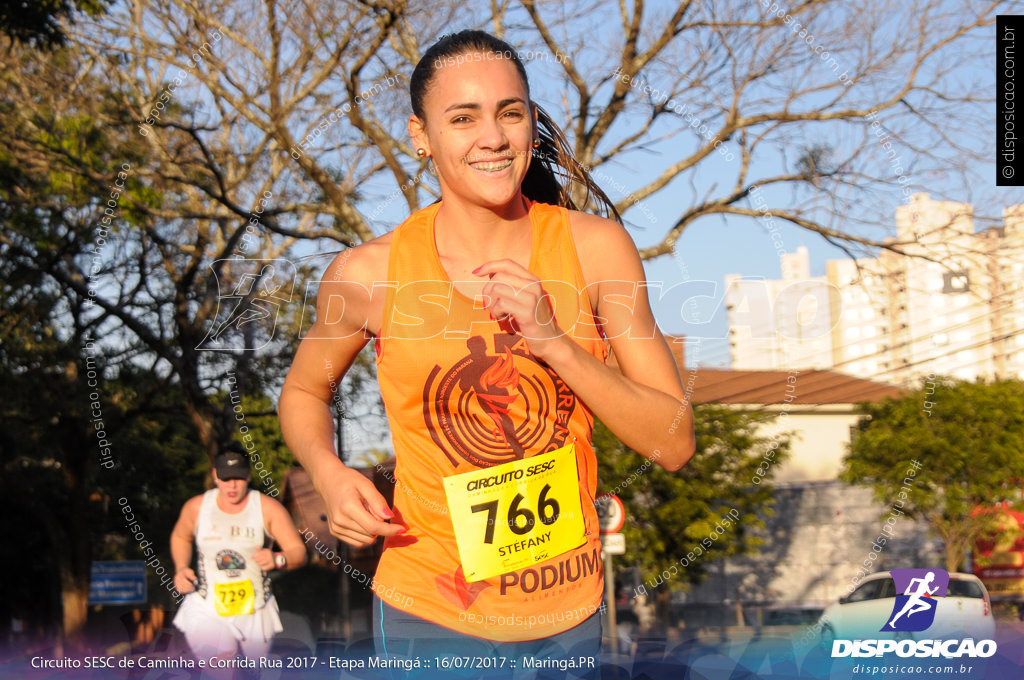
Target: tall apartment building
(953, 304)
(780, 323)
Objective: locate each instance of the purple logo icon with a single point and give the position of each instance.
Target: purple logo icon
(914, 610)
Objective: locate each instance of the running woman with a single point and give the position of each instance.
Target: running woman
(229, 602)
(491, 312)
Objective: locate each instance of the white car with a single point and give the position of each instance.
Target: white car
(965, 612)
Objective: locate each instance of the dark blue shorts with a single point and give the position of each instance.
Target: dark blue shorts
(402, 638)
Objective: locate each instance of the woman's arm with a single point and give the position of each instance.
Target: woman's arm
(346, 303)
(643, 403)
(279, 525)
(181, 545)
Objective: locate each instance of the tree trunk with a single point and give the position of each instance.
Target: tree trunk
(202, 416)
(954, 557)
(74, 545)
(956, 543)
(75, 596)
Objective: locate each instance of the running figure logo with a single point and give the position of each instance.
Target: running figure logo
(914, 610)
(253, 293)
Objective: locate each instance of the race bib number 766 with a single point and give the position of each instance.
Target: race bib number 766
(517, 514)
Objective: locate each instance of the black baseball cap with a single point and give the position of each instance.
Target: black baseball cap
(232, 463)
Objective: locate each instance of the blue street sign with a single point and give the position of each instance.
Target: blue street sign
(122, 582)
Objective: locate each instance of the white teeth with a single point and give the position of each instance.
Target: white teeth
(494, 166)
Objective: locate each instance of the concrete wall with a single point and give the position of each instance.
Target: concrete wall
(818, 444)
(816, 540)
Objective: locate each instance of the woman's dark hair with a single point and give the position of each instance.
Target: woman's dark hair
(553, 170)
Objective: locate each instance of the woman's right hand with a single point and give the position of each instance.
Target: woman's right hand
(185, 581)
(356, 512)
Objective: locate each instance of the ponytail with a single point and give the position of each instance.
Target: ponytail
(555, 173)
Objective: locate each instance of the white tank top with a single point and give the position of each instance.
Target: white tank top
(228, 578)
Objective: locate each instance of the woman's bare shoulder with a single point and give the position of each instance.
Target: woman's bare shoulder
(364, 263)
(604, 247)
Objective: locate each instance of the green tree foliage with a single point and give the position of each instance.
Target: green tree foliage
(44, 444)
(80, 433)
(259, 431)
(46, 472)
(124, 234)
(98, 311)
(968, 436)
(40, 22)
(158, 463)
(669, 513)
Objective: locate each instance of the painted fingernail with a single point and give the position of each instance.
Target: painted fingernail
(387, 513)
(477, 270)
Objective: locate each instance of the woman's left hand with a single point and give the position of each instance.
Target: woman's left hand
(517, 299)
(264, 559)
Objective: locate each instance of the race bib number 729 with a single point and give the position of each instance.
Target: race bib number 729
(234, 598)
(517, 514)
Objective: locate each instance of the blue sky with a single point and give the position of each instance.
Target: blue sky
(715, 246)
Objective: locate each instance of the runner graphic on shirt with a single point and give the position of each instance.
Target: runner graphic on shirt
(492, 405)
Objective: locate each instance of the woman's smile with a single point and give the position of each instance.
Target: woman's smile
(491, 166)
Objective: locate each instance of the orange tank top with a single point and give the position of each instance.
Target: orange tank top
(463, 395)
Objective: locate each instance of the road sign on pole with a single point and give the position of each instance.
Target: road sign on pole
(611, 516)
(611, 513)
(613, 544)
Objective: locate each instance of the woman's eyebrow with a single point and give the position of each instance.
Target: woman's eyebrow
(463, 106)
(476, 107)
(511, 100)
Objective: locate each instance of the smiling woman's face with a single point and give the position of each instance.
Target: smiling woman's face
(478, 129)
